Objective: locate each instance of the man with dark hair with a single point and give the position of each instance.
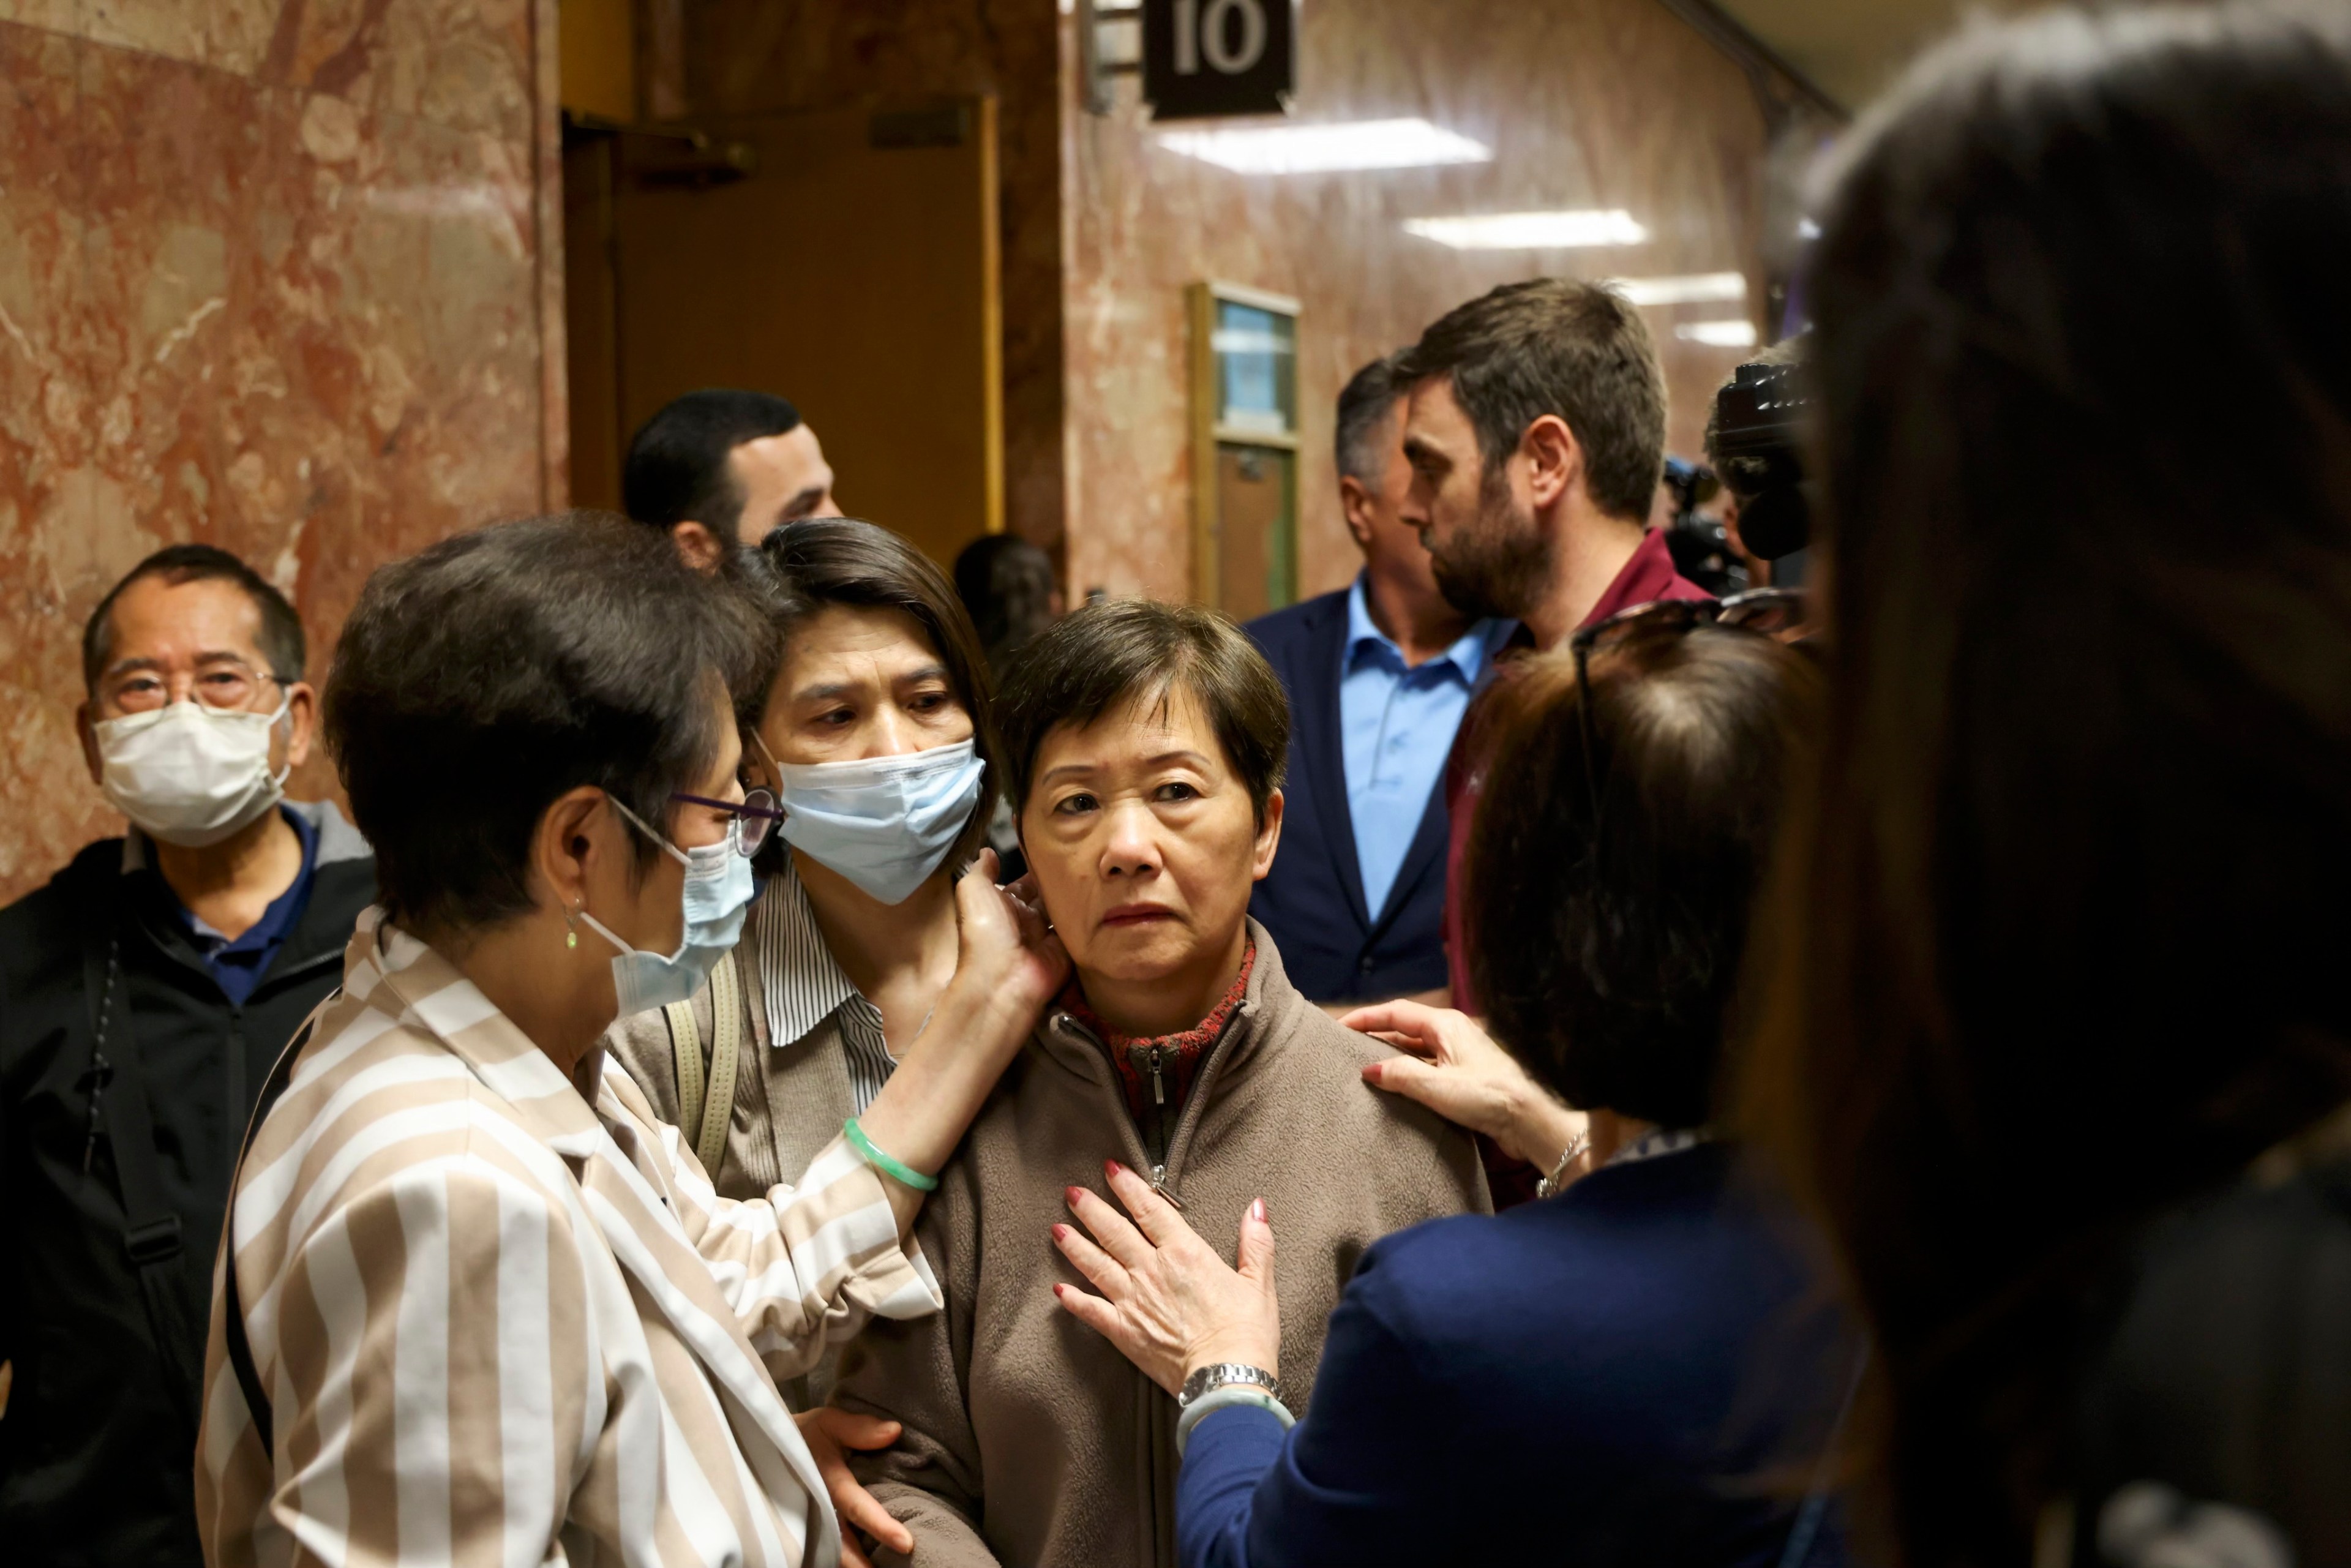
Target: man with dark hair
(1379, 676)
(144, 993)
(1536, 432)
(719, 468)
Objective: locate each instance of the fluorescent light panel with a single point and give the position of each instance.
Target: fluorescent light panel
(1691, 288)
(1329, 147)
(1718, 334)
(1568, 230)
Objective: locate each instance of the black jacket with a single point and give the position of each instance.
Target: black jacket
(1335, 948)
(2216, 1407)
(98, 1448)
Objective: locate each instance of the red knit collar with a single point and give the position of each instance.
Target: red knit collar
(1185, 1049)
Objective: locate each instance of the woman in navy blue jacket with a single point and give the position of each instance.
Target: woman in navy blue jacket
(1643, 1368)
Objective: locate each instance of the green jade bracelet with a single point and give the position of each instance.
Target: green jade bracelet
(904, 1175)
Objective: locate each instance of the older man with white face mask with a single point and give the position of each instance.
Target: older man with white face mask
(144, 993)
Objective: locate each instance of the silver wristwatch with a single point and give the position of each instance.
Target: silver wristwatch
(1217, 1374)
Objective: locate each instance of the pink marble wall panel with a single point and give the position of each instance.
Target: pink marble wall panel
(271, 277)
(754, 57)
(1585, 104)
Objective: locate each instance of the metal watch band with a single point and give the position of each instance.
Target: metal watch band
(1217, 1374)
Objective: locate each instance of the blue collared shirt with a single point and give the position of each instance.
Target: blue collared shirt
(238, 963)
(1395, 729)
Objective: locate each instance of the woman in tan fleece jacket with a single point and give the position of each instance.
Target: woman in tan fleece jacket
(1144, 746)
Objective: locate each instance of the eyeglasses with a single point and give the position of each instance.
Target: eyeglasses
(227, 685)
(1775, 612)
(756, 815)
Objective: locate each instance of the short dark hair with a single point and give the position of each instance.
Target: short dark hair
(1006, 584)
(676, 469)
(482, 677)
(1606, 925)
(281, 639)
(1115, 651)
(1551, 345)
(1364, 404)
(819, 561)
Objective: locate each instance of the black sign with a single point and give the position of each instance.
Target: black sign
(1205, 58)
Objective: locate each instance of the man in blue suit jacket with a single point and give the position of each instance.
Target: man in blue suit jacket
(1379, 676)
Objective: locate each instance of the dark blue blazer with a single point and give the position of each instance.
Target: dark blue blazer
(1629, 1373)
(1333, 947)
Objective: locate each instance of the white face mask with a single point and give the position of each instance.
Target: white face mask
(884, 822)
(188, 775)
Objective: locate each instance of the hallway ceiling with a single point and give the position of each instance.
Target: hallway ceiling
(1853, 49)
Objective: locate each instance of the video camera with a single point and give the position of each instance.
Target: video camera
(1756, 443)
(1700, 545)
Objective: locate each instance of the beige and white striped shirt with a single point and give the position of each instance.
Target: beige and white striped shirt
(499, 1327)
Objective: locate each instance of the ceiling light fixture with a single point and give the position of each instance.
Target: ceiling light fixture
(1327, 149)
(1688, 289)
(1531, 231)
(1718, 334)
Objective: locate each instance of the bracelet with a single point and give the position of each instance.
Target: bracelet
(1551, 1185)
(897, 1171)
(1226, 1396)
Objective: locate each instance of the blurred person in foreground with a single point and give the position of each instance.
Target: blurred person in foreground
(1378, 676)
(144, 993)
(718, 470)
(1634, 1371)
(2061, 1048)
(1145, 745)
(476, 1301)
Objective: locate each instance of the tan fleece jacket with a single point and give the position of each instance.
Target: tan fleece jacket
(1030, 1441)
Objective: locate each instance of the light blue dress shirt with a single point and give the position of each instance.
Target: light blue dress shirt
(1395, 730)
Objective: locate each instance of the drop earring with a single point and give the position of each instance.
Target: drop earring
(570, 931)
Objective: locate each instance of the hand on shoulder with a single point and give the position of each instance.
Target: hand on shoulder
(1453, 1066)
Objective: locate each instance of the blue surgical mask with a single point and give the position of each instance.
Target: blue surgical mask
(718, 890)
(884, 822)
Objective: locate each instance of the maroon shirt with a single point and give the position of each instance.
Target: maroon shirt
(1648, 577)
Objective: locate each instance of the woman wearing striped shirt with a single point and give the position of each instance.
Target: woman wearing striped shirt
(479, 1302)
(872, 729)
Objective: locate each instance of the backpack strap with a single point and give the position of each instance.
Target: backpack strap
(151, 1226)
(706, 1103)
(238, 1348)
(726, 1043)
(686, 1052)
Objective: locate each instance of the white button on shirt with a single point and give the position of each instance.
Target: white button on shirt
(1395, 730)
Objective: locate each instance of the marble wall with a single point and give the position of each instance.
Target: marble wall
(1585, 104)
(760, 56)
(282, 275)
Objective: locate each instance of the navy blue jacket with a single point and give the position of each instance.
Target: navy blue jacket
(1313, 900)
(1628, 1374)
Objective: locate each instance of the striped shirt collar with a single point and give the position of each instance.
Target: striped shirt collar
(801, 981)
(398, 977)
(802, 986)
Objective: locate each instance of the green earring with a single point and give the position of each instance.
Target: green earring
(570, 932)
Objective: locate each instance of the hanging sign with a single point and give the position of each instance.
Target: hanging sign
(1204, 59)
